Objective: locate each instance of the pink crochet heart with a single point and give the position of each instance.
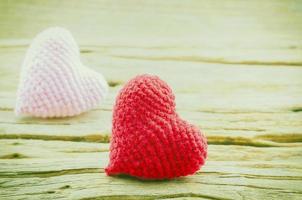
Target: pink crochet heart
(54, 82)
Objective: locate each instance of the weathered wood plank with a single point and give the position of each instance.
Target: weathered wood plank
(51, 172)
(98, 185)
(233, 31)
(49, 153)
(252, 101)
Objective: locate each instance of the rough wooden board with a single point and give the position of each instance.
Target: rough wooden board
(98, 185)
(233, 31)
(234, 67)
(252, 101)
(38, 151)
(80, 174)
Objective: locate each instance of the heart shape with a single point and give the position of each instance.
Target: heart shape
(149, 140)
(54, 82)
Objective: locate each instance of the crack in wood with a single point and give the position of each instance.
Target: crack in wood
(285, 138)
(6, 109)
(252, 176)
(99, 138)
(257, 141)
(14, 156)
(46, 174)
(213, 60)
(154, 197)
(297, 109)
(252, 186)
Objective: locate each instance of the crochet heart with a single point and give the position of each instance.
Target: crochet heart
(54, 82)
(149, 140)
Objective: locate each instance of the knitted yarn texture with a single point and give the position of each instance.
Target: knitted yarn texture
(54, 82)
(149, 140)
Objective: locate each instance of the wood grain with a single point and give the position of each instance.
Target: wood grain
(234, 66)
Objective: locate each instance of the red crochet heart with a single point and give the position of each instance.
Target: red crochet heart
(149, 139)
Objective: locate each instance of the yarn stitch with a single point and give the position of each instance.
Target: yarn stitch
(54, 82)
(149, 140)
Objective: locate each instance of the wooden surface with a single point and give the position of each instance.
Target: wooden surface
(234, 66)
